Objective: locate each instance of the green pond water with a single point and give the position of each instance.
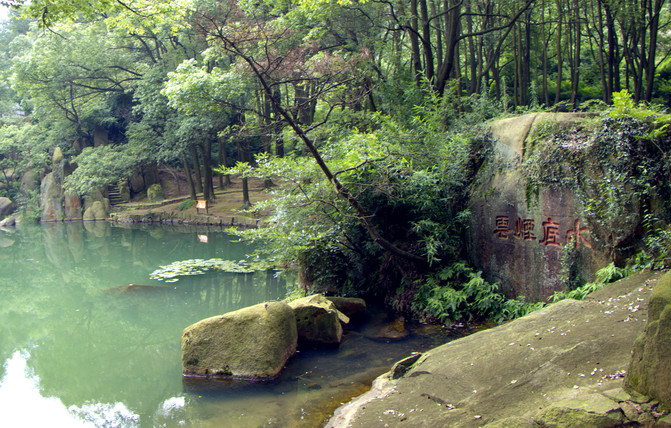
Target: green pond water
(79, 349)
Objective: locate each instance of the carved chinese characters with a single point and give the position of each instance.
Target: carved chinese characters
(549, 232)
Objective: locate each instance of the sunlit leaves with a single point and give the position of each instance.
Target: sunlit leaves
(193, 89)
(100, 166)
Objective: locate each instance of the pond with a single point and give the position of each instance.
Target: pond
(79, 348)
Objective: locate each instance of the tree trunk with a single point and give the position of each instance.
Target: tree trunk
(559, 51)
(414, 42)
(222, 160)
(426, 40)
(208, 191)
(196, 169)
(189, 178)
(605, 80)
(652, 50)
(242, 157)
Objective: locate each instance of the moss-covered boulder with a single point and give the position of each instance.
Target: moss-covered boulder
(155, 193)
(6, 207)
(318, 320)
(51, 198)
(57, 157)
(250, 343)
(124, 191)
(95, 212)
(651, 361)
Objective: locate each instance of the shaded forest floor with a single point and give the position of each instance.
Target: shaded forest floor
(227, 204)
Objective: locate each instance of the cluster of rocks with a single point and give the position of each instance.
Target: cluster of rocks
(56, 204)
(256, 342)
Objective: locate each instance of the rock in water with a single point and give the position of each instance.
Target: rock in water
(651, 360)
(250, 343)
(353, 307)
(318, 320)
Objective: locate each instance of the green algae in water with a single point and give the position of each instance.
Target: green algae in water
(172, 272)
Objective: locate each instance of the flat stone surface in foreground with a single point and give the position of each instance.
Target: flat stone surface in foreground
(512, 374)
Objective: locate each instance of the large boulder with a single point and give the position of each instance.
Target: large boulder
(542, 216)
(95, 212)
(651, 360)
(51, 198)
(318, 320)
(250, 343)
(6, 207)
(73, 206)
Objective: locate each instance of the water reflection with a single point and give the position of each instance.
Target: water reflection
(22, 404)
(93, 341)
(102, 353)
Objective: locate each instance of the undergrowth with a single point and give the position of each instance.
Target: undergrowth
(458, 293)
(604, 276)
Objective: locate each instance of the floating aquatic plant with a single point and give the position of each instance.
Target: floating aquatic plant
(172, 272)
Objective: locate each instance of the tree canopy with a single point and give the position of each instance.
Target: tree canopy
(365, 109)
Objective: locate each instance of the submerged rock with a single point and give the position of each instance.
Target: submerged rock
(394, 330)
(250, 343)
(651, 361)
(318, 320)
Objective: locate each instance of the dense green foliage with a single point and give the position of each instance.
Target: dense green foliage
(364, 112)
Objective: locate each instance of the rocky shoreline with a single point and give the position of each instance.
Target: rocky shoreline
(561, 366)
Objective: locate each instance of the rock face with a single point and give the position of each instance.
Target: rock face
(6, 207)
(318, 320)
(95, 212)
(57, 158)
(155, 193)
(72, 206)
(51, 198)
(651, 361)
(539, 217)
(250, 343)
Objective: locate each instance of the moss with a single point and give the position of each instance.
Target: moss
(661, 297)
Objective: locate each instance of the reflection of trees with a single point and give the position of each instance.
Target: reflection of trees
(95, 345)
(224, 292)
